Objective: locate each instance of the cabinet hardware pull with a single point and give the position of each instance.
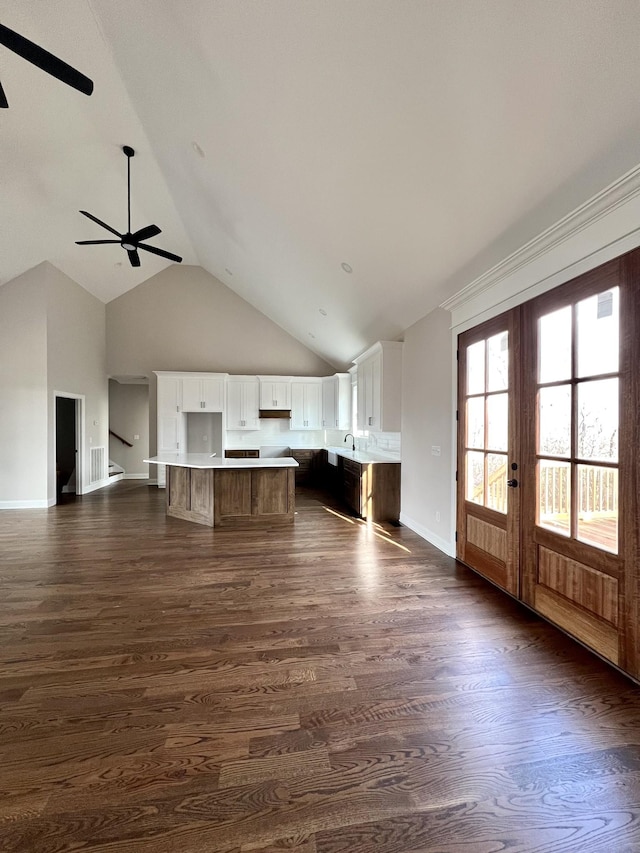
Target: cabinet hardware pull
(512, 483)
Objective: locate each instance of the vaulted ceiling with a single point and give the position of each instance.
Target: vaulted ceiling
(417, 141)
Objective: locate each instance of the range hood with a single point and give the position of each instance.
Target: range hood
(282, 414)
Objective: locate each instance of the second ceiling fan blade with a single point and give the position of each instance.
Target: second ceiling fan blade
(100, 222)
(94, 242)
(162, 253)
(146, 233)
(4, 103)
(46, 61)
(134, 257)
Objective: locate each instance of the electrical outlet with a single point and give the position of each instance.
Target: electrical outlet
(437, 516)
(136, 438)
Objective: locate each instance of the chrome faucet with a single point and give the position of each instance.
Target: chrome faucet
(353, 441)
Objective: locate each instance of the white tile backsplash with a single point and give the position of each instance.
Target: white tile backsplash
(387, 443)
(274, 431)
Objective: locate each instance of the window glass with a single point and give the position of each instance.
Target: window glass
(554, 420)
(497, 481)
(475, 422)
(554, 496)
(498, 422)
(554, 349)
(475, 477)
(498, 362)
(598, 506)
(598, 333)
(598, 420)
(475, 368)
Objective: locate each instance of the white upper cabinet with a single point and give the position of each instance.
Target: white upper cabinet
(275, 392)
(203, 393)
(336, 401)
(169, 394)
(306, 403)
(380, 387)
(243, 398)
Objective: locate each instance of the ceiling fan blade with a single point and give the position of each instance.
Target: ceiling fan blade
(45, 60)
(161, 252)
(134, 257)
(100, 222)
(146, 233)
(94, 242)
(4, 103)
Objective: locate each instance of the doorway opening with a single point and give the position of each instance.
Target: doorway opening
(68, 480)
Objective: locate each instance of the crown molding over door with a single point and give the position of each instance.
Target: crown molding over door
(604, 227)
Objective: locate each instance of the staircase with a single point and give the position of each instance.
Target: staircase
(116, 472)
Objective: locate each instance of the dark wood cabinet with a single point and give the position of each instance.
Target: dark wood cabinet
(352, 485)
(308, 462)
(253, 494)
(370, 490)
(242, 454)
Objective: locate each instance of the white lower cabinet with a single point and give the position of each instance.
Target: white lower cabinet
(171, 424)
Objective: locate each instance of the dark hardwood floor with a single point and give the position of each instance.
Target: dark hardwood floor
(316, 688)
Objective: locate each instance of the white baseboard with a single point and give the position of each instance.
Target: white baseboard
(431, 537)
(135, 476)
(44, 504)
(152, 482)
(93, 487)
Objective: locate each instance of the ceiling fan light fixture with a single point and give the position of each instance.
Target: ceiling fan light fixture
(129, 241)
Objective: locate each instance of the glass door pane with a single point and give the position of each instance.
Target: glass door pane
(486, 438)
(577, 420)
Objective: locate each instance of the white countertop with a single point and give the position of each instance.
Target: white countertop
(363, 456)
(205, 460)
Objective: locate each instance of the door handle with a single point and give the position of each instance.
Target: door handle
(512, 483)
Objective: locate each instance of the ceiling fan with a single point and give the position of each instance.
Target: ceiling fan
(44, 60)
(130, 242)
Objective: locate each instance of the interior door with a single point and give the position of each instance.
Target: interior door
(488, 522)
(576, 431)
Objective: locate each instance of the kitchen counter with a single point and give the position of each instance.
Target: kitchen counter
(228, 492)
(362, 456)
(205, 460)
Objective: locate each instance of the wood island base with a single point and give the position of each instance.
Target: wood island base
(227, 497)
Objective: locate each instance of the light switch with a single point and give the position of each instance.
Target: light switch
(435, 450)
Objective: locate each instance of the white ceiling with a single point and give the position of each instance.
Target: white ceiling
(420, 141)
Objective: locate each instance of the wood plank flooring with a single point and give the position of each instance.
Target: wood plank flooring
(317, 688)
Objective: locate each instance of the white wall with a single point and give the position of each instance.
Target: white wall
(129, 416)
(76, 356)
(52, 338)
(23, 390)
(428, 486)
(185, 319)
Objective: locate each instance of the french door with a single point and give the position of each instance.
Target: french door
(549, 404)
(488, 523)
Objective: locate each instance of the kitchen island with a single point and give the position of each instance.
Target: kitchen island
(225, 492)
